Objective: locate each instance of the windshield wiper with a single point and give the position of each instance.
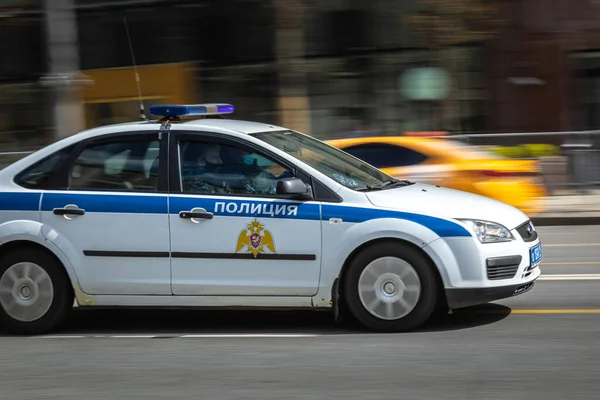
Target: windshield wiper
(387, 185)
(368, 188)
(397, 182)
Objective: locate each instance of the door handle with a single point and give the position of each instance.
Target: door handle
(195, 214)
(68, 211)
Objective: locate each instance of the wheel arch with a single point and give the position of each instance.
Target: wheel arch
(26, 232)
(55, 252)
(339, 281)
(25, 243)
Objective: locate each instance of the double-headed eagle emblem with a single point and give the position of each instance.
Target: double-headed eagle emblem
(255, 239)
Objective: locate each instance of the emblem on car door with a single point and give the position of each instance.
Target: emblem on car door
(255, 239)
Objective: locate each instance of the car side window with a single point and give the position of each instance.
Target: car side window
(386, 155)
(40, 175)
(120, 165)
(210, 168)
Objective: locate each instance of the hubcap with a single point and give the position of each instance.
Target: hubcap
(26, 292)
(389, 288)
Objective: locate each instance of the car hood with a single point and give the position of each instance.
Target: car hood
(449, 203)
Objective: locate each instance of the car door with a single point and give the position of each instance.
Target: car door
(109, 207)
(230, 233)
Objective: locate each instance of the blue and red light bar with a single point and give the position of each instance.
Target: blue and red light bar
(191, 110)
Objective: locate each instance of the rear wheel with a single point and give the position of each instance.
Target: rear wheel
(35, 294)
(391, 287)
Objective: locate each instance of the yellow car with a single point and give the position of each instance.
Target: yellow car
(453, 165)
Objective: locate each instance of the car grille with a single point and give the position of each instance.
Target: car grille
(502, 267)
(524, 231)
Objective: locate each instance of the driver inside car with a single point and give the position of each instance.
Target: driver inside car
(240, 173)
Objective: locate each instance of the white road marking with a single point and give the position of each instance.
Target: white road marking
(571, 263)
(243, 335)
(570, 277)
(572, 245)
(132, 336)
(188, 336)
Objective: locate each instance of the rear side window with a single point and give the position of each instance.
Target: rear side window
(40, 175)
(386, 155)
(119, 165)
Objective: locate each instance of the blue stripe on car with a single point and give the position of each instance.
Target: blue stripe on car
(107, 203)
(441, 227)
(20, 201)
(141, 204)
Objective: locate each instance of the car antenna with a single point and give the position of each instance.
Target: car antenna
(137, 75)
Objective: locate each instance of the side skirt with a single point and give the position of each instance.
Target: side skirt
(257, 302)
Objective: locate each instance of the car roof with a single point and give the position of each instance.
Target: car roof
(445, 147)
(432, 145)
(388, 139)
(241, 126)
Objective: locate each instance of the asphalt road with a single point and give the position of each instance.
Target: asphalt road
(541, 345)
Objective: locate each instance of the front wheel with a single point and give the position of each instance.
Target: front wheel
(391, 287)
(35, 294)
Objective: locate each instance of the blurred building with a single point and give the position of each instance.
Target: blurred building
(544, 68)
(364, 69)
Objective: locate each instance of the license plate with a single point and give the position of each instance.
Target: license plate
(535, 254)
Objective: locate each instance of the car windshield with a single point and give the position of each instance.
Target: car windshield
(336, 164)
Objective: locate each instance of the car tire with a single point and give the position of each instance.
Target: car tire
(391, 287)
(35, 292)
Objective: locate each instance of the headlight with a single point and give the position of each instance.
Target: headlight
(489, 232)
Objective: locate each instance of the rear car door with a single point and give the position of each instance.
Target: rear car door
(108, 205)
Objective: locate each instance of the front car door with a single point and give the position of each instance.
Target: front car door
(230, 233)
(109, 205)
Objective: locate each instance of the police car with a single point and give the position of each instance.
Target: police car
(215, 212)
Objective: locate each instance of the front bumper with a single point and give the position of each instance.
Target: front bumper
(460, 298)
(474, 273)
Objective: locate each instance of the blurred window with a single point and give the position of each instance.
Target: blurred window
(131, 165)
(333, 162)
(40, 174)
(211, 168)
(386, 155)
(467, 151)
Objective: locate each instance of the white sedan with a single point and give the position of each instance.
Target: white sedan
(213, 212)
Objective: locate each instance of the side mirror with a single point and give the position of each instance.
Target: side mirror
(293, 188)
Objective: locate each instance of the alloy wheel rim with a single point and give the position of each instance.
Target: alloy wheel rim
(26, 292)
(389, 288)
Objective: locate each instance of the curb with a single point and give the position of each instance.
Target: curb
(566, 220)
